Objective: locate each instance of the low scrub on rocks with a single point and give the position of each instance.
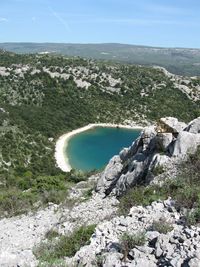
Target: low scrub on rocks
(158, 170)
(193, 217)
(130, 241)
(58, 246)
(140, 195)
(27, 191)
(161, 226)
(184, 189)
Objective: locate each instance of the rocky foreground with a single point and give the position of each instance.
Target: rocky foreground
(178, 247)
(165, 238)
(181, 245)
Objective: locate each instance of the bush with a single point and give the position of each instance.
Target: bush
(64, 246)
(161, 226)
(193, 217)
(51, 234)
(129, 241)
(158, 170)
(88, 194)
(14, 202)
(140, 195)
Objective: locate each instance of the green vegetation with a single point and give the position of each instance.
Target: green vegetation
(161, 226)
(193, 216)
(141, 195)
(88, 193)
(130, 241)
(184, 189)
(51, 234)
(58, 247)
(183, 61)
(158, 170)
(28, 191)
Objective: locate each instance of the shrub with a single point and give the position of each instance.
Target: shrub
(193, 217)
(51, 234)
(88, 194)
(129, 241)
(64, 246)
(161, 226)
(140, 195)
(14, 202)
(158, 170)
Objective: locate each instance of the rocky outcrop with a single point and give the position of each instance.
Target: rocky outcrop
(112, 170)
(170, 125)
(185, 143)
(194, 126)
(178, 246)
(157, 148)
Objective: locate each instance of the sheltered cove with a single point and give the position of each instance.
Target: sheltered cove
(62, 160)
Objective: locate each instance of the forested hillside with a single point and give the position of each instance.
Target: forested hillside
(184, 61)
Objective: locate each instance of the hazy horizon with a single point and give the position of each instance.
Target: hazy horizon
(93, 43)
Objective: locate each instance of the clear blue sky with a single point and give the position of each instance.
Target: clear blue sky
(147, 22)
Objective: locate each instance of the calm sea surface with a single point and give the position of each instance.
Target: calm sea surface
(93, 148)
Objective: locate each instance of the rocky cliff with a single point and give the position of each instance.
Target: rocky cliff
(158, 149)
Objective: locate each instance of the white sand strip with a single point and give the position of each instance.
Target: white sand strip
(61, 144)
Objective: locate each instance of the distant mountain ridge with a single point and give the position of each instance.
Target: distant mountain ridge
(182, 61)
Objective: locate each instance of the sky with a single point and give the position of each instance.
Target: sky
(164, 23)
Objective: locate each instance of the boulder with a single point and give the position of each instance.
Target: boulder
(163, 141)
(110, 175)
(159, 160)
(170, 125)
(22, 258)
(148, 138)
(163, 246)
(145, 262)
(124, 153)
(193, 126)
(136, 147)
(185, 143)
(194, 262)
(113, 260)
(135, 172)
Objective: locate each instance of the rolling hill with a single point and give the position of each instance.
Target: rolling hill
(183, 61)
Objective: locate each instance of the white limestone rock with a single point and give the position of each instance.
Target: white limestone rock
(185, 143)
(194, 262)
(113, 260)
(170, 125)
(164, 140)
(193, 126)
(110, 175)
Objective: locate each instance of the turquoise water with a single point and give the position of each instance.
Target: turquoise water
(93, 148)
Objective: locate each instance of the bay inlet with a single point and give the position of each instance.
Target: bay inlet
(92, 149)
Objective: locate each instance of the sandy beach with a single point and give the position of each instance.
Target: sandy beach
(61, 144)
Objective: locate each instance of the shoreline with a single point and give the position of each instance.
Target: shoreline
(62, 160)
